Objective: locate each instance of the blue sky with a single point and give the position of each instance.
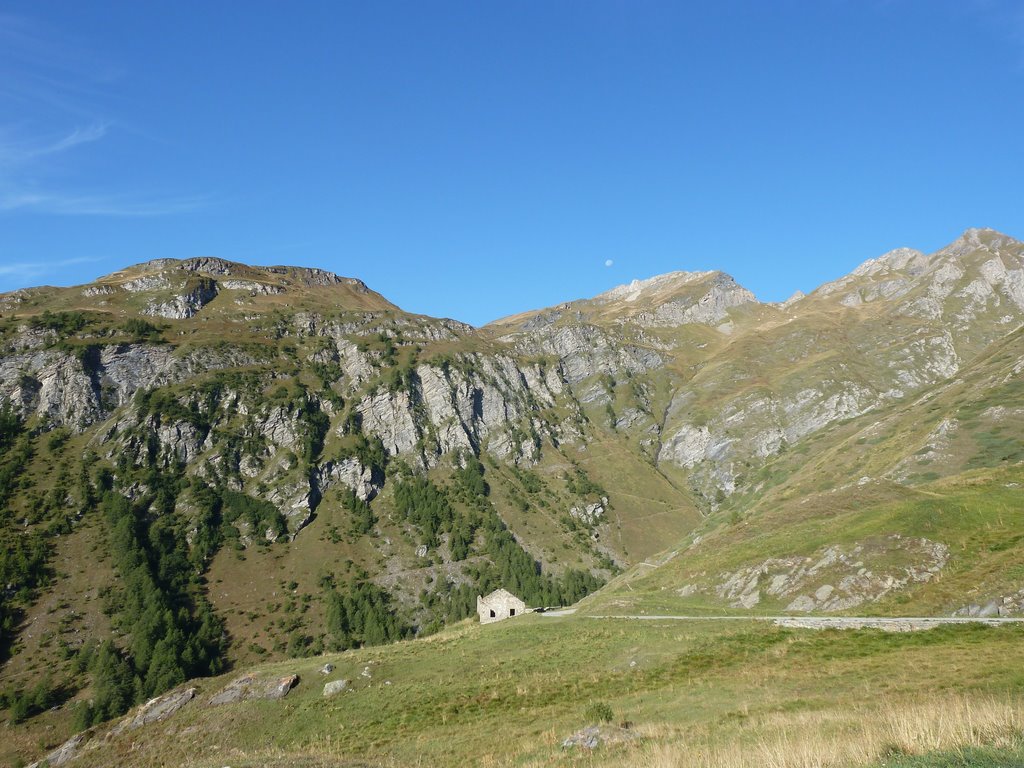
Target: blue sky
(475, 159)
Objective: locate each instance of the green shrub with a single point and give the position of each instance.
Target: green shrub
(142, 330)
(600, 711)
(64, 323)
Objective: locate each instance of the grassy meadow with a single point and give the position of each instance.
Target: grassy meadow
(706, 694)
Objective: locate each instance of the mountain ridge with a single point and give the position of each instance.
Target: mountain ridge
(663, 286)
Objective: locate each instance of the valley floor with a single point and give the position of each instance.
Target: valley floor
(663, 692)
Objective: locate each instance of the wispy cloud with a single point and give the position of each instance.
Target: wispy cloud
(20, 151)
(29, 270)
(77, 136)
(50, 81)
(98, 205)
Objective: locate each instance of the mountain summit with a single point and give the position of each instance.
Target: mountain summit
(676, 298)
(979, 275)
(672, 299)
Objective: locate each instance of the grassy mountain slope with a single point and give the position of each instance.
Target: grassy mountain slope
(732, 694)
(943, 466)
(285, 464)
(878, 529)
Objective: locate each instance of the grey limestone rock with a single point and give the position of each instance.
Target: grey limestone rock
(249, 687)
(64, 753)
(594, 736)
(589, 514)
(186, 304)
(348, 472)
(155, 710)
(834, 579)
(335, 686)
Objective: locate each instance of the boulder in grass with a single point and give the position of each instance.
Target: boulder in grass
(335, 686)
(593, 736)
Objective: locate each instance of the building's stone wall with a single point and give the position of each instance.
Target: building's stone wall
(499, 605)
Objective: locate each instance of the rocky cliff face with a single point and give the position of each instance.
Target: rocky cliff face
(726, 403)
(76, 389)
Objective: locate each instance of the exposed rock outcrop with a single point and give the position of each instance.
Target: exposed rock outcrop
(249, 687)
(63, 754)
(590, 514)
(155, 710)
(347, 472)
(185, 304)
(594, 736)
(1005, 605)
(838, 578)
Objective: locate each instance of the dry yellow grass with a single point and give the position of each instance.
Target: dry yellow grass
(838, 738)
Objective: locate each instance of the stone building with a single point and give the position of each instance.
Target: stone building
(500, 604)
